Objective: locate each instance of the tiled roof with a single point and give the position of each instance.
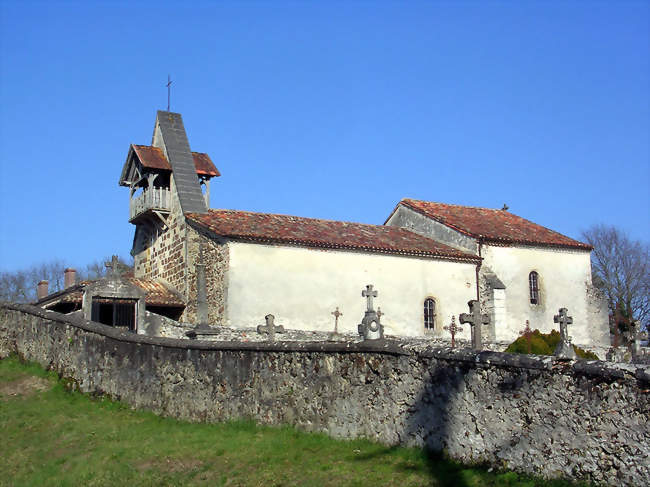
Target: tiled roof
(310, 232)
(497, 226)
(157, 294)
(154, 158)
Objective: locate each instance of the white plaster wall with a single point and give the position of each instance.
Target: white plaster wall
(301, 287)
(563, 279)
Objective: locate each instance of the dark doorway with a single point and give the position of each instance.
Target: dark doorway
(114, 312)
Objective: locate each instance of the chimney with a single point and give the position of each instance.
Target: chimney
(41, 289)
(69, 277)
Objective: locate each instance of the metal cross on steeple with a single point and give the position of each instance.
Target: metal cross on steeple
(169, 89)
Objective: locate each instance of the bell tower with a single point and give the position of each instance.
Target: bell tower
(163, 178)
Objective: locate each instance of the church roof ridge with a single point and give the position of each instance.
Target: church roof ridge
(453, 204)
(320, 233)
(492, 225)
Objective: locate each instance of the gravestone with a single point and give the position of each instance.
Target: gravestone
(564, 349)
(336, 314)
(527, 333)
(453, 328)
(370, 327)
(270, 328)
(635, 338)
(475, 319)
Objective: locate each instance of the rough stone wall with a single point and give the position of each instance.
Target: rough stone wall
(165, 258)
(584, 420)
(156, 325)
(216, 258)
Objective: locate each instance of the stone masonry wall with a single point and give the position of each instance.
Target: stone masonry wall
(215, 255)
(584, 420)
(165, 258)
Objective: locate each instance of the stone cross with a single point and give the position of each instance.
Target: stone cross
(336, 314)
(370, 327)
(453, 328)
(270, 328)
(564, 349)
(113, 268)
(380, 313)
(527, 333)
(635, 338)
(368, 293)
(563, 319)
(475, 319)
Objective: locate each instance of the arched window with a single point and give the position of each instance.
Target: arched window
(533, 287)
(429, 314)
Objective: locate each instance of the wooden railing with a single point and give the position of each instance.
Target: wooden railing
(151, 199)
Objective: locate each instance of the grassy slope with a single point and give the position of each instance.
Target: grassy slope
(54, 437)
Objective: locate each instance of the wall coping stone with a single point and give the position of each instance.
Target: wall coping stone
(594, 368)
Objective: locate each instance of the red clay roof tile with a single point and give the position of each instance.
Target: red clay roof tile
(157, 294)
(154, 158)
(311, 232)
(498, 226)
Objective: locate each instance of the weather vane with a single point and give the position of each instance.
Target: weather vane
(169, 89)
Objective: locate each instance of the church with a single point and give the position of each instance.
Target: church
(426, 262)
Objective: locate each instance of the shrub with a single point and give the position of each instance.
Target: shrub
(544, 344)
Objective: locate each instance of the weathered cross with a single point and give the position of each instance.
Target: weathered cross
(113, 267)
(169, 89)
(336, 314)
(563, 319)
(475, 319)
(368, 293)
(453, 328)
(380, 313)
(270, 328)
(528, 334)
(635, 337)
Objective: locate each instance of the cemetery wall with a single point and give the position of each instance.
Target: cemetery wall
(584, 420)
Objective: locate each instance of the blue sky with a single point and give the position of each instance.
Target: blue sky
(324, 109)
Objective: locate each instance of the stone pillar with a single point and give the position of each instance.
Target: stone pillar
(201, 292)
(69, 277)
(42, 289)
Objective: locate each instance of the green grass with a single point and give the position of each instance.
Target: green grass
(51, 436)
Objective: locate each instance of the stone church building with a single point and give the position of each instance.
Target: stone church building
(426, 261)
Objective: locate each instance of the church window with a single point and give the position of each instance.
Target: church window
(429, 314)
(533, 286)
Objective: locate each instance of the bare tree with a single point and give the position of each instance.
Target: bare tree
(621, 270)
(97, 268)
(20, 286)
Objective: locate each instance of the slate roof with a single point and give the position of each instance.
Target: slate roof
(496, 226)
(154, 158)
(311, 232)
(157, 294)
(181, 160)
